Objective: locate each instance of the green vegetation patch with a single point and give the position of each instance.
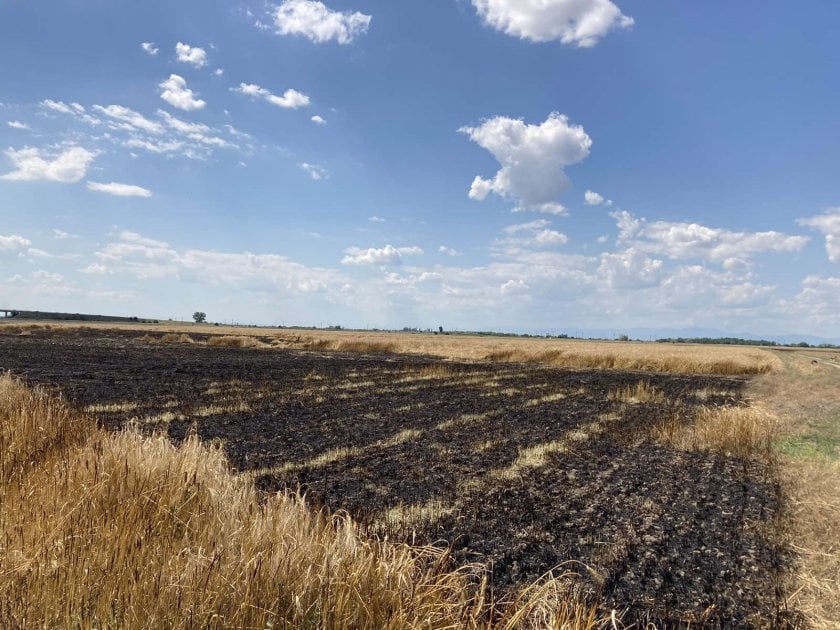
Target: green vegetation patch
(811, 446)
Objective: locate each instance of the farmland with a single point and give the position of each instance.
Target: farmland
(523, 468)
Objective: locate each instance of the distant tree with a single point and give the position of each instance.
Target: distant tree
(623, 338)
(440, 328)
(199, 317)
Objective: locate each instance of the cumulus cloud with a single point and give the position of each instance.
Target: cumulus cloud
(692, 240)
(376, 219)
(576, 22)
(695, 286)
(525, 237)
(13, 243)
(318, 120)
(291, 99)
(315, 21)
(174, 91)
(120, 190)
(32, 164)
(388, 255)
(818, 301)
(192, 55)
(314, 171)
(16, 124)
(149, 47)
(550, 237)
(829, 224)
(592, 198)
(449, 251)
(61, 235)
(630, 269)
(533, 159)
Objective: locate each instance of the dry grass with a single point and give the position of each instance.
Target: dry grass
(746, 432)
(168, 338)
(641, 392)
(806, 399)
(173, 338)
(646, 357)
(367, 347)
(814, 505)
(123, 530)
(235, 341)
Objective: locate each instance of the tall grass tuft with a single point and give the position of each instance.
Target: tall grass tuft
(744, 431)
(235, 341)
(369, 347)
(124, 530)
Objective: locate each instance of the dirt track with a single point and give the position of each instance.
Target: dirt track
(523, 468)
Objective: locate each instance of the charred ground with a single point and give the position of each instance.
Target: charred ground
(524, 468)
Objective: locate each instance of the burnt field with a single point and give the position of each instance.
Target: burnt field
(522, 468)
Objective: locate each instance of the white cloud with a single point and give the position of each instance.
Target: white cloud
(16, 124)
(628, 225)
(696, 287)
(174, 91)
(159, 147)
(219, 71)
(120, 190)
(94, 268)
(67, 166)
(630, 269)
(315, 21)
(134, 120)
(291, 99)
(692, 240)
(61, 107)
(167, 135)
(61, 235)
(514, 287)
(191, 54)
(150, 259)
(449, 251)
(315, 171)
(376, 219)
(150, 48)
(818, 301)
(829, 224)
(388, 255)
(182, 126)
(318, 120)
(577, 22)
(550, 237)
(523, 238)
(532, 157)
(592, 198)
(13, 243)
(527, 227)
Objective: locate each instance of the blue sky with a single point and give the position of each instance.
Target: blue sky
(504, 164)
